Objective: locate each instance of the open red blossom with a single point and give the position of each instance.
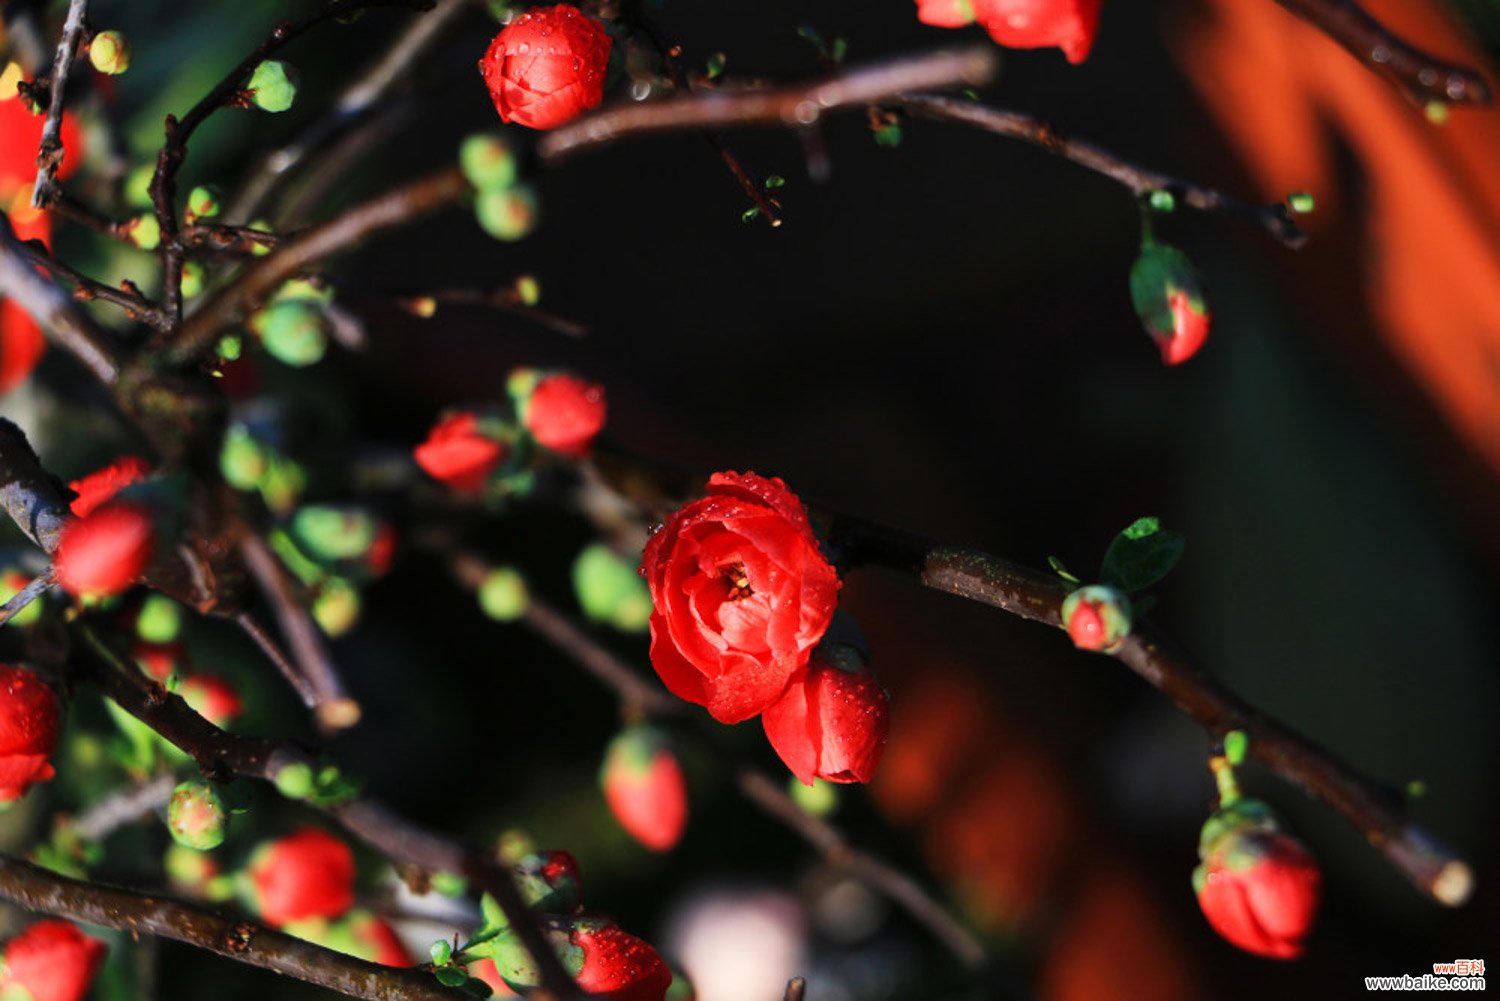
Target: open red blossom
(1069, 25)
(309, 874)
(831, 723)
(458, 454)
(51, 961)
(29, 725)
(565, 413)
(104, 553)
(1259, 889)
(547, 66)
(619, 964)
(645, 788)
(102, 484)
(741, 594)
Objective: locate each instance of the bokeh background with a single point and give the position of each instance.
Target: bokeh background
(940, 337)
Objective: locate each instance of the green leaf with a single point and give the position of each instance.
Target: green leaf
(750, 214)
(1062, 571)
(450, 977)
(888, 136)
(478, 988)
(1141, 555)
(1236, 745)
(839, 49)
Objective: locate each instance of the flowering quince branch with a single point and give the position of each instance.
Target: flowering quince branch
(53, 309)
(1420, 76)
(247, 942)
(793, 106)
(136, 307)
(1274, 219)
(50, 154)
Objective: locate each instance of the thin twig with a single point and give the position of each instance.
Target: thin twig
(1274, 219)
(34, 589)
(221, 754)
(795, 106)
(504, 298)
(1422, 77)
(796, 989)
(50, 153)
(38, 889)
(124, 806)
(268, 646)
(136, 306)
(53, 310)
(32, 497)
(335, 709)
(179, 131)
(390, 209)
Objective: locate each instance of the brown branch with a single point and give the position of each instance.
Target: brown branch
(504, 298)
(37, 889)
(123, 806)
(136, 306)
(1274, 219)
(1422, 77)
(393, 208)
(220, 754)
(1370, 806)
(794, 106)
(50, 153)
(53, 310)
(796, 989)
(329, 699)
(31, 496)
(178, 132)
(38, 586)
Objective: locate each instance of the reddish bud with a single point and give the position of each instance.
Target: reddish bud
(1258, 886)
(29, 724)
(159, 660)
(565, 413)
(945, 13)
(1097, 617)
(644, 786)
(51, 961)
(104, 553)
(195, 815)
(547, 66)
(309, 874)
(211, 697)
(1069, 25)
(549, 881)
(831, 723)
(458, 454)
(618, 963)
(1169, 296)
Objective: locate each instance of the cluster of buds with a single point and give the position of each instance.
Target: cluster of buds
(505, 208)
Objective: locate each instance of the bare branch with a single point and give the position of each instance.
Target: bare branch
(50, 154)
(38, 586)
(1419, 75)
(28, 493)
(124, 806)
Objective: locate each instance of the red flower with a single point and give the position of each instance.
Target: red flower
(1259, 890)
(456, 453)
(309, 874)
(1069, 25)
(21, 135)
(644, 787)
(1190, 324)
(52, 961)
(102, 484)
(741, 595)
(21, 345)
(565, 413)
(831, 723)
(619, 964)
(28, 731)
(105, 552)
(211, 697)
(547, 66)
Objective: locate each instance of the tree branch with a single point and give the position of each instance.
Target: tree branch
(124, 806)
(1275, 219)
(393, 208)
(50, 153)
(30, 495)
(794, 106)
(1419, 75)
(37, 889)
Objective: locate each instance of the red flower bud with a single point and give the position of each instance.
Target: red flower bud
(104, 553)
(565, 413)
(159, 660)
(102, 484)
(1169, 296)
(618, 963)
(1097, 617)
(377, 941)
(549, 881)
(1258, 886)
(211, 697)
(945, 13)
(51, 961)
(644, 786)
(456, 453)
(309, 874)
(1069, 25)
(547, 66)
(741, 595)
(831, 723)
(29, 724)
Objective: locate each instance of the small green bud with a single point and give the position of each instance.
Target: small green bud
(230, 346)
(143, 231)
(336, 608)
(314, 288)
(273, 86)
(260, 226)
(295, 781)
(610, 590)
(509, 214)
(528, 290)
(889, 136)
(160, 619)
(1162, 201)
(193, 277)
(243, 460)
(195, 815)
(487, 162)
(1436, 112)
(202, 203)
(1236, 746)
(109, 53)
(503, 594)
(819, 799)
(293, 332)
(136, 191)
(441, 952)
(520, 384)
(331, 532)
(1300, 202)
(188, 867)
